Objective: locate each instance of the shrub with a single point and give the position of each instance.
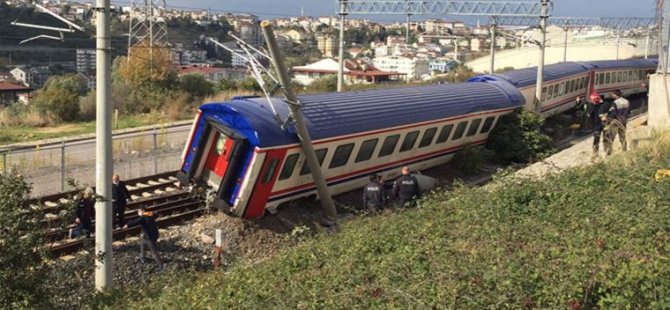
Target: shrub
(324, 84)
(471, 159)
(59, 99)
(22, 269)
(87, 107)
(196, 85)
(516, 138)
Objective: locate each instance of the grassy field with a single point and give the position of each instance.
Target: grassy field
(16, 134)
(596, 237)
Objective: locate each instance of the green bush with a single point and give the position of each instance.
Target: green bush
(471, 159)
(59, 98)
(196, 85)
(590, 238)
(516, 138)
(22, 269)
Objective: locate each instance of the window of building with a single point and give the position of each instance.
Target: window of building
(410, 140)
(488, 123)
(389, 145)
(270, 170)
(474, 126)
(341, 155)
(289, 165)
(428, 136)
(444, 133)
(366, 150)
(460, 129)
(320, 155)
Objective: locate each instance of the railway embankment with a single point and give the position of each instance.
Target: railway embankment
(592, 235)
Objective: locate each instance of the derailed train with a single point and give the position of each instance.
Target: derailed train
(237, 149)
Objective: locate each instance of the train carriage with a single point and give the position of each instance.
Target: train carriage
(238, 149)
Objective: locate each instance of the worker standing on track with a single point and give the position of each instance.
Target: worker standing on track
(120, 197)
(150, 235)
(373, 195)
(618, 119)
(406, 189)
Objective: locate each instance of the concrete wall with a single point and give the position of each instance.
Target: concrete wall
(529, 56)
(659, 102)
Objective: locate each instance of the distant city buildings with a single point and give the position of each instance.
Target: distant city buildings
(327, 44)
(356, 71)
(216, 74)
(413, 68)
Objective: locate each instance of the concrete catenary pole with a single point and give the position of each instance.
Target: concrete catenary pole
(494, 25)
(340, 69)
(646, 45)
(296, 114)
(407, 8)
(618, 42)
(565, 44)
(103, 154)
(540, 66)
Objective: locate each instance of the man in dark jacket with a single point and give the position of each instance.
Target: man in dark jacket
(406, 189)
(120, 197)
(85, 214)
(596, 107)
(150, 235)
(373, 195)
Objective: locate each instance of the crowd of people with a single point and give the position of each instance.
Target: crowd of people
(607, 119)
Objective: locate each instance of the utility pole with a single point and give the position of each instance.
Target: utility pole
(103, 154)
(646, 45)
(408, 16)
(565, 44)
(493, 27)
(340, 69)
(540, 66)
(301, 128)
(618, 42)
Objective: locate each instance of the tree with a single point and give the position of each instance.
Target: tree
(147, 66)
(516, 138)
(196, 85)
(324, 84)
(59, 99)
(21, 258)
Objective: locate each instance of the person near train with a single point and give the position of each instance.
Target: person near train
(373, 195)
(618, 119)
(120, 197)
(147, 220)
(596, 106)
(406, 189)
(84, 214)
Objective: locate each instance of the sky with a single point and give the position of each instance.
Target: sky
(269, 9)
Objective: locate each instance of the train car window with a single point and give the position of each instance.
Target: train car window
(624, 77)
(544, 93)
(474, 126)
(555, 91)
(572, 86)
(488, 123)
(561, 89)
(444, 134)
(289, 166)
(607, 78)
(550, 92)
(320, 155)
(582, 83)
(618, 78)
(630, 76)
(341, 155)
(602, 78)
(366, 150)
(389, 145)
(460, 129)
(428, 136)
(269, 171)
(410, 140)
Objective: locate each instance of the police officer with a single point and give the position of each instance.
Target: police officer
(373, 195)
(619, 120)
(406, 189)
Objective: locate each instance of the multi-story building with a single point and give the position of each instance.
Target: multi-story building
(327, 44)
(251, 33)
(358, 71)
(442, 65)
(216, 74)
(33, 77)
(86, 60)
(238, 61)
(412, 67)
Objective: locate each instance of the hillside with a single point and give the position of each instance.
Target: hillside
(588, 237)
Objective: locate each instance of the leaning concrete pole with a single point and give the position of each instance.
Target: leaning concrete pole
(296, 114)
(103, 153)
(340, 70)
(565, 44)
(494, 25)
(540, 65)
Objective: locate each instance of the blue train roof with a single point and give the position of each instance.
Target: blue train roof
(526, 77)
(336, 114)
(627, 63)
